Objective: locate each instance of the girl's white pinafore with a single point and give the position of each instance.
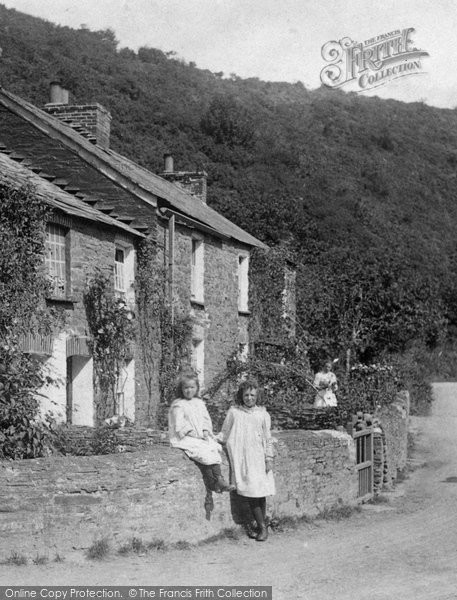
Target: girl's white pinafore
(326, 395)
(246, 433)
(187, 416)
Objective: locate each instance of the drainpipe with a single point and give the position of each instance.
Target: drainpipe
(171, 263)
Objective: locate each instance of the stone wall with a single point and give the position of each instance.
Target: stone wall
(390, 441)
(91, 247)
(394, 423)
(54, 505)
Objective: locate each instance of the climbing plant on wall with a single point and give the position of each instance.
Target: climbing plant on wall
(267, 289)
(176, 354)
(163, 337)
(150, 285)
(111, 325)
(22, 310)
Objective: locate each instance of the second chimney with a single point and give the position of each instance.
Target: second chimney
(193, 182)
(92, 121)
(59, 95)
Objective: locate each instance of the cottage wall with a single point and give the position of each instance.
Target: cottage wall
(218, 324)
(90, 247)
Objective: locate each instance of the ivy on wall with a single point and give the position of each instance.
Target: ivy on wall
(163, 338)
(23, 310)
(113, 332)
(150, 290)
(267, 288)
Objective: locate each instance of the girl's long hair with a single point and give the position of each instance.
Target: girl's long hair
(249, 384)
(187, 375)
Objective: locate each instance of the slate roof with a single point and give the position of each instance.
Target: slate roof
(15, 174)
(134, 179)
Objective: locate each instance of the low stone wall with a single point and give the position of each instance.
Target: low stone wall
(390, 442)
(314, 471)
(394, 423)
(52, 505)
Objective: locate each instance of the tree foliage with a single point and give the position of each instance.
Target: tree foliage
(228, 122)
(360, 309)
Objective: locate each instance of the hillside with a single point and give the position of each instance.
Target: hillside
(354, 186)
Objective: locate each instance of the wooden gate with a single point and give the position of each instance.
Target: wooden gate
(364, 458)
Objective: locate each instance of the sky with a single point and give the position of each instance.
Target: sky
(275, 40)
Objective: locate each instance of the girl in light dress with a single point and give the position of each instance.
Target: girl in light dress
(246, 435)
(326, 383)
(190, 429)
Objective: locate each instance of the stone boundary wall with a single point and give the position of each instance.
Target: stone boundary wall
(53, 505)
(394, 424)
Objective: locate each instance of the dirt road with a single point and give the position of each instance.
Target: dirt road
(403, 549)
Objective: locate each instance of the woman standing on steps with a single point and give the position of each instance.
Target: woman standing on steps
(246, 434)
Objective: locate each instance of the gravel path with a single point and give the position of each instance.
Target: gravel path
(402, 549)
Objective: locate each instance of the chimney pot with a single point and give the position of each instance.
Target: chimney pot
(59, 95)
(193, 182)
(168, 163)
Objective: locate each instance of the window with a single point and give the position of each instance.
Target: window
(197, 272)
(119, 273)
(56, 259)
(124, 271)
(243, 283)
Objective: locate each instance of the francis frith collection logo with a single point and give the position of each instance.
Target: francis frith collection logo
(361, 66)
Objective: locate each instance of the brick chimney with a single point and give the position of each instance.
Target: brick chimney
(193, 182)
(92, 121)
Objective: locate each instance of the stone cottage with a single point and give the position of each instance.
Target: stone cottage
(79, 239)
(63, 150)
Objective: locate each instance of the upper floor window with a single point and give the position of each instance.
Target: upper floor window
(197, 270)
(124, 270)
(56, 259)
(243, 283)
(119, 270)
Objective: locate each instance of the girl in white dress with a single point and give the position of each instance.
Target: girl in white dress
(246, 434)
(191, 430)
(326, 384)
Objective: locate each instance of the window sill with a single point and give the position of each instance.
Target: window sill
(244, 313)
